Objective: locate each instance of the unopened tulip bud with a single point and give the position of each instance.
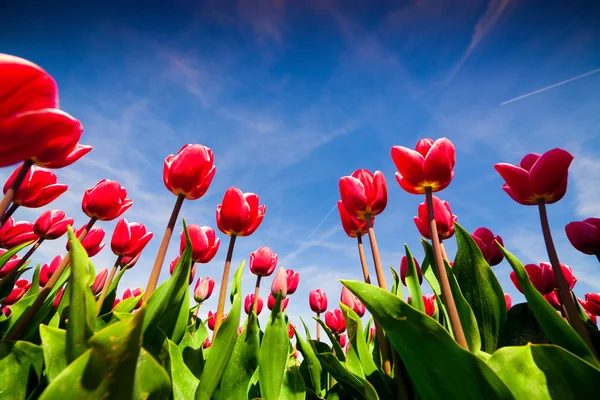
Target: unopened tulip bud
(58, 298)
(335, 321)
(106, 201)
(343, 339)
(317, 299)
(190, 171)
(129, 239)
(291, 331)
(293, 279)
(249, 302)
(351, 301)
(508, 301)
(271, 302)
(99, 282)
(263, 261)
(486, 241)
(279, 285)
(207, 343)
(404, 268)
(203, 290)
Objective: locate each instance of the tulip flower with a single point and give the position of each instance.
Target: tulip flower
(372, 331)
(444, 219)
(588, 309)
(343, 340)
(554, 299)
(352, 226)
(486, 241)
(92, 243)
(48, 270)
(203, 289)
(58, 297)
(14, 234)
(5, 310)
(271, 302)
(429, 303)
(317, 299)
(211, 320)
(541, 277)
(190, 171)
(38, 188)
(106, 201)
(205, 243)
(431, 164)
(65, 159)
(592, 301)
(404, 269)
(537, 177)
(351, 301)
(335, 321)
(585, 235)
(52, 224)
(21, 287)
(9, 265)
(279, 284)
(292, 279)
(363, 193)
(174, 263)
(508, 301)
(239, 214)
(207, 343)
(99, 282)
(249, 301)
(291, 331)
(129, 239)
(263, 261)
(133, 293)
(129, 262)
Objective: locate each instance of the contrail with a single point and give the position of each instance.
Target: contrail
(294, 254)
(550, 87)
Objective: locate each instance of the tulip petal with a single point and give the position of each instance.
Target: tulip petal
(353, 195)
(517, 179)
(410, 164)
(584, 237)
(549, 172)
(439, 163)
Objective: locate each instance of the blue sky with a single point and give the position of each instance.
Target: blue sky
(293, 95)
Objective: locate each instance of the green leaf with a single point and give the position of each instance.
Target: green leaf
(311, 361)
(191, 348)
(273, 354)
(54, 342)
(359, 387)
(111, 295)
(521, 328)
(222, 346)
(128, 305)
(7, 283)
(158, 387)
(82, 315)
(293, 385)
(243, 362)
(419, 339)
(555, 327)
(545, 372)
(430, 274)
(20, 369)
(412, 282)
(184, 381)
(35, 282)
(397, 286)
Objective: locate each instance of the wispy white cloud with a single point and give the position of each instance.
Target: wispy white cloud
(585, 173)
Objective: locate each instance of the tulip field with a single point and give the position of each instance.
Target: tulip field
(66, 335)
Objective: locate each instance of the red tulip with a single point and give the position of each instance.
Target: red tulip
(68, 158)
(5, 310)
(343, 340)
(592, 301)
(317, 299)
(190, 172)
(351, 301)
(554, 299)
(508, 301)
(537, 177)
(263, 261)
(291, 331)
(444, 219)
(92, 243)
(24, 86)
(21, 287)
(279, 284)
(129, 239)
(105, 201)
(335, 321)
(429, 303)
(9, 265)
(363, 193)
(133, 293)
(240, 330)
(486, 241)
(99, 282)
(569, 277)
(48, 270)
(292, 279)
(58, 297)
(588, 310)
(207, 343)
(13, 235)
(352, 226)
(249, 301)
(38, 189)
(129, 262)
(271, 302)
(205, 243)
(239, 213)
(203, 289)
(404, 269)
(431, 164)
(211, 320)
(541, 276)
(52, 224)
(174, 264)
(371, 333)
(585, 235)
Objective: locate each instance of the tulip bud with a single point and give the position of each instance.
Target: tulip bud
(351, 301)
(207, 343)
(292, 278)
(279, 285)
(58, 298)
(537, 177)
(431, 164)
(239, 214)
(205, 243)
(352, 226)
(271, 302)
(317, 299)
(249, 302)
(592, 301)
(174, 263)
(486, 241)
(240, 330)
(190, 171)
(343, 340)
(211, 320)
(48, 270)
(21, 287)
(444, 219)
(291, 331)
(38, 189)
(129, 239)
(541, 277)
(5, 310)
(133, 293)
(429, 303)
(263, 261)
(585, 235)
(508, 301)
(9, 265)
(92, 243)
(99, 282)
(52, 224)
(363, 193)
(404, 268)
(106, 201)
(371, 333)
(203, 290)
(335, 321)
(14, 234)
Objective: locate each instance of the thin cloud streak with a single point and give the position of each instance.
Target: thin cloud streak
(551, 86)
(306, 241)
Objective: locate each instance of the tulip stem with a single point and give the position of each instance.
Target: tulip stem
(9, 213)
(39, 301)
(223, 289)
(318, 327)
(443, 249)
(10, 193)
(111, 276)
(256, 289)
(162, 250)
(569, 306)
(457, 328)
(363, 259)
